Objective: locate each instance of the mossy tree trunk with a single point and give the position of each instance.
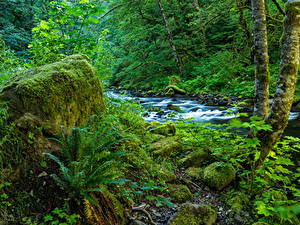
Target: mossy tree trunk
(289, 65)
(261, 59)
(241, 5)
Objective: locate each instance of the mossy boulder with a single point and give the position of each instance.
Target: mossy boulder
(238, 202)
(192, 214)
(167, 146)
(64, 93)
(174, 108)
(180, 193)
(167, 129)
(195, 158)
(218, 175)
(195, 172)
(173, 90)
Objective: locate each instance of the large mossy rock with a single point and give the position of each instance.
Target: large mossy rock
(218, 175)
(192, 214)
(64, 93)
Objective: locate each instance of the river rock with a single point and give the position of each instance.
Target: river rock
(195, 158)
(64, 93)
(180, 193)
(218, 175)
(193, 214)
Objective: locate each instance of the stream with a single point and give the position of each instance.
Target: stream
(189, 108)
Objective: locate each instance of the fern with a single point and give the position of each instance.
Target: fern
(88, 162)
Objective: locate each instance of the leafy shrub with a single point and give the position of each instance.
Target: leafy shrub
(275, 186)
(57, 216)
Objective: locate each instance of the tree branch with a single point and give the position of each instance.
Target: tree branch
(278, 6)
(111, 10)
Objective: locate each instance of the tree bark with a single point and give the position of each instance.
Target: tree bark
(240, 4)
(261, 59)
(289, 66)
(177, 58)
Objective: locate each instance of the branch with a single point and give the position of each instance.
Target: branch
(278, 6)
(111, 10)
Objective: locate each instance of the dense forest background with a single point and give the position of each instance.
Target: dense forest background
(141, 44)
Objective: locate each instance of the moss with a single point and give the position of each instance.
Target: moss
(195, 158)
(168, 129)
(180, 193)
(191, 214)
(173, 89)
(218, 175)
(167, 146)
(109, 210)
(238, 202)
(196, 173)
(62, 93)
(175, 108)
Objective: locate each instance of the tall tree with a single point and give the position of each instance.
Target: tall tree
(177, 58)
(261, 58)
(289, 65)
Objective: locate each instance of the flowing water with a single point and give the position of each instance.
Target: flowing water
(192, 109)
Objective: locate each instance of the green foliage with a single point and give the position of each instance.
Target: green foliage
(88, 162)
(16, 21)
(4, 198)
(277, 184)
(57, 216)
(71, 27)
(8, 63)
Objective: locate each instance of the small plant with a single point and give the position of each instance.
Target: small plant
(4, 198)
(87, 163)
(57, 216)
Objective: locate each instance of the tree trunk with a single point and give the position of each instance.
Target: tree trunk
(289, 65)
(177, 58)
(240, 4)
(261, 59)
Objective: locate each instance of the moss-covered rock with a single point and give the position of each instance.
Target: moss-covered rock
(63, 93)
(167, 129)
(173, 89)
(195, 158)
(174, 108)
(195, 172)
(218, 175)
(192, 214)
(180, 193)
(167, 146)
(238, 202)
